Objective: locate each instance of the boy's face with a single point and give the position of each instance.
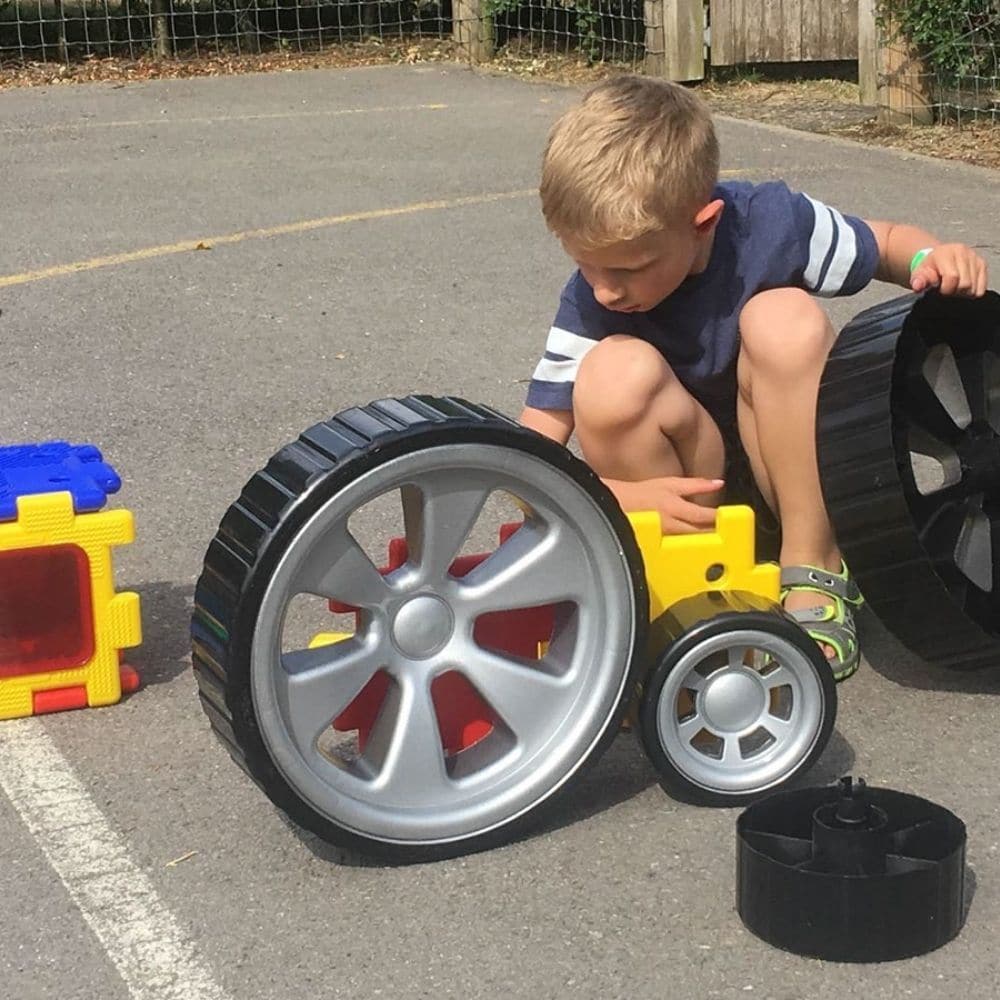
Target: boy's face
(636, 275)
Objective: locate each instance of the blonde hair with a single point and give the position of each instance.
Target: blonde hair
(636, 155)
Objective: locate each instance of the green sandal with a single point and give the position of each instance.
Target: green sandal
(831, 625)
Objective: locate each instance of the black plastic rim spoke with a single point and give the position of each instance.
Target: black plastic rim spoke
(942, 530)
(973, 369)
(923, 408)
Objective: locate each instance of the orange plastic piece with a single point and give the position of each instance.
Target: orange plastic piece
(59, 699)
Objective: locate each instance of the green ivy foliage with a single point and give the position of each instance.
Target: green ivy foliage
(957, 39)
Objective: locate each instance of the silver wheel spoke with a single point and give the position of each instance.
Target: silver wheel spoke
(406, 741)
(776, 678)
(737, 657)
(438, 513)
(731, 753)
(523, 696)
(528, 570)
(316, 685)
(690, 727)
(337, 567)
(779, 728)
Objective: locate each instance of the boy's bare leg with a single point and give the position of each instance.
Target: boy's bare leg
(786, 338)
(634, 420)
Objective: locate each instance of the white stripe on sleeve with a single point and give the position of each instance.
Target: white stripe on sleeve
(556, 371)
(569, 345)
(844, 255)
(823, 235)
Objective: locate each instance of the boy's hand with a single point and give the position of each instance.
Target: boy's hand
(952, 268)
(668, 495)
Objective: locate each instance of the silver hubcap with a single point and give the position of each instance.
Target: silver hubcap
(739, 712)
(417, 625)
(422, 626)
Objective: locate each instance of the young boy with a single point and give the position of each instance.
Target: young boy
(688, 339)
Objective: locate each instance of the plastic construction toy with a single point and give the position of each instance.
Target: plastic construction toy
(471, 688)
(62, 626)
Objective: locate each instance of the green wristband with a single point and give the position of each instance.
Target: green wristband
(919, 257)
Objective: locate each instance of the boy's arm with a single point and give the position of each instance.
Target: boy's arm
(952, 268)
(554, 424)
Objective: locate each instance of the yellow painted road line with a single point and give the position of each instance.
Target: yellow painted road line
(215, 119)
(207, 242)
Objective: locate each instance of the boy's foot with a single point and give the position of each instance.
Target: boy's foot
(823, 604)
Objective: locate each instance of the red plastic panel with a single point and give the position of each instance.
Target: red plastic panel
(463, 717)
(46, 614)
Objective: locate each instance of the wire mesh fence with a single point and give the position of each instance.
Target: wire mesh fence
(939, 59)
(597, 31)
(65, 30)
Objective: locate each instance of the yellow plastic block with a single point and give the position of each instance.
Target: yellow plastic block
(679, 566)
(48, 519)
(328, 638)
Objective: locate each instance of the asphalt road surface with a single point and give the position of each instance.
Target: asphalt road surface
(369, 233)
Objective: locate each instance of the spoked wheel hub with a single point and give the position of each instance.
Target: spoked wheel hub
(470, 689)
(739, 702)
(909, 450)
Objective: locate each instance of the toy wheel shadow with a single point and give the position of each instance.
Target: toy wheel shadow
(470, 690)
(909, 451)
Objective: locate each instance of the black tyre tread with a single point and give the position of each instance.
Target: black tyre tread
(233, 565)
(860, 472)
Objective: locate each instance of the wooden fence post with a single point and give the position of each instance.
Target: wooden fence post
(472, 30)
(675, 39)
(161, 29)
(891, 73)
(867, 53)
(903, 92)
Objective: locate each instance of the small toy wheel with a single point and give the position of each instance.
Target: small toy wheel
(740, 702)
(406, 790)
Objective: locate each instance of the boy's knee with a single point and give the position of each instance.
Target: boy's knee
(785, 328)
(618, 381)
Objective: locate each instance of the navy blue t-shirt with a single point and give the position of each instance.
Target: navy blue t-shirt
(768, 237)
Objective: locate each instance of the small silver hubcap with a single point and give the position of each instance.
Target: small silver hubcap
(740, 711)
(732, 701)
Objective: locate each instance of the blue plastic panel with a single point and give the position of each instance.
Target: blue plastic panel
(52, 467)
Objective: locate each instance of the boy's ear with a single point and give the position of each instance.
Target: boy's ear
(708, 217)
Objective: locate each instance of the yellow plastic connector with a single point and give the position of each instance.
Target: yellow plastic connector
(679, 566)
(47, 520)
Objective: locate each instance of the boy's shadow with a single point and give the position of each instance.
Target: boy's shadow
(889, 658)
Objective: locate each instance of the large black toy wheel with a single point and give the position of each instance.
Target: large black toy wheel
(909, 452)
(740, 702)
(414, 781)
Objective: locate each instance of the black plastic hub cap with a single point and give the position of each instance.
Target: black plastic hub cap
(850, 873)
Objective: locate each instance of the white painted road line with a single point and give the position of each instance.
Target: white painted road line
(142, 938)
